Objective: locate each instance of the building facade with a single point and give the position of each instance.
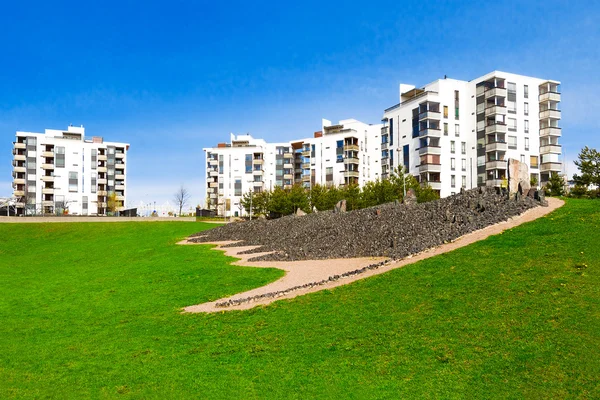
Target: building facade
(339, 154)
(58, 172)
(456, 134)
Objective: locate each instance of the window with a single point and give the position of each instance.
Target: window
(93, 185)
(445, 111)
(94, 158)
(526, 91)
(453, 180)
(512, 124)
(526, 126)
(73, 182)
(463, 164)
(526, 144)
(406, 157)
(511, 97)
(523, 158)
(463, 147)
(456, 104)
(452, 147)
(512, 142)
(60, 157)
(445, 129)
(237, 187)
(464, 181)
(526, 108)
(456, 130)
(329, 174)
(533, 161)
(452, 164)
(248, 163)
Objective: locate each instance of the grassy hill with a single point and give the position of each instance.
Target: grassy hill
(92, 310)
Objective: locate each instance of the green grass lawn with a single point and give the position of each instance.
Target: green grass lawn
(93, 310)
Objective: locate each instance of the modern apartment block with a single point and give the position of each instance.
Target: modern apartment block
(456, 134)
(339, 154)
(61, 171)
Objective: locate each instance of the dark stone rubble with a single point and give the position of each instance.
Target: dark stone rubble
(389, 230)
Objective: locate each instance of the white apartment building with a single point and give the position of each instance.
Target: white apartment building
(61, 171)
(453, 134)
(344, 153)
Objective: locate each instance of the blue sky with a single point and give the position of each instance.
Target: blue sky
(173, 77)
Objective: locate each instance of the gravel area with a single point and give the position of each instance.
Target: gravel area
(389, 230)
(302, 277)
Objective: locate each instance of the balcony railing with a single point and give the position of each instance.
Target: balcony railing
(552, 114)
(351, 147)
(550, 131)
(495, 128)
(550, 149)
(430, 132)
(496, 164)
(430, 167)
(549, 96)
(551, 166)
(435, 150)
(496, 146)
(495, 110)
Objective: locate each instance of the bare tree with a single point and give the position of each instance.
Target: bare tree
(181, 197)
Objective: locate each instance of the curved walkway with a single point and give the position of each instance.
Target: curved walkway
(299, 273)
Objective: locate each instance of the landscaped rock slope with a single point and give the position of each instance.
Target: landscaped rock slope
(388, 230)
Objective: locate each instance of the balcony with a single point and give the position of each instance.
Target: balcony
(430, 132)
(258, 161)
(550, 131)
(119, 187)
(288, 166)
(48, 166)
(305, 153)
(119, 176)
(351, 174)
(495, 165)
(496, 146)
(48, 154)
(19, 193)
(552, 114)
(19, 169)
(288, 187)
(102, 169)
(429, 115)
(102, 193)
(493, 182)
(435, 185)
(19, 181)
(48, 203)
(213, 196)
(551, 149)
(435, 150)
(18, 145)
(550, 167)
(384, 146)
(120, 166)
(384, 130)
(102, 204)
(549, 96)
(288, 176)
(48, 191)
(213, 173)
(211, 185)
(495, 128)
(20, 157)
(257, 183)
(305, 165)
(352, 160)
(497, 91)
(19, 204)
(288, 155)
(213, 163)
(430, 168)
(102, 157)
(351, 147)
(257, 172)
(305, 178)
(119, 155)
(120, 198)
(495, 110)
(101, 181)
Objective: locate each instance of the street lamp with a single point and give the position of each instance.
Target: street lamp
(403, 172)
